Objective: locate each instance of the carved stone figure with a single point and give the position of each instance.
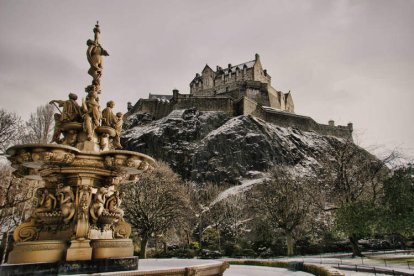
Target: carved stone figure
(103, 143)
(94, 54)
(46, 202)
(99, 204)
(92, 113)
(67, 202)
(85, 196)
(118, 130)
(113, 204)
(70, 138)
(57, 130)
(71, 109)
(108, 117)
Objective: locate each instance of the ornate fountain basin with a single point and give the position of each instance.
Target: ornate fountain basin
(34, 160)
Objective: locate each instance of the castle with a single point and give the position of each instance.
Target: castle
(243, 89)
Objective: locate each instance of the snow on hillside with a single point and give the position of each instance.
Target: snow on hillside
(212, 146)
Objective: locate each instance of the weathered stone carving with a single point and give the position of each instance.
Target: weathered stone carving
(113, 204)
(91, 113)
(122, 230)
(94, 54)
(108, 117)
(118, 130)
(85, 196)
(99, 204)
(67, 202)
(26, 231)
(57, 130)
(46, 202)
(71, 109)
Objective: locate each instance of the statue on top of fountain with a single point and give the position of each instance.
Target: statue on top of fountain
(94, 54)
(85, 126)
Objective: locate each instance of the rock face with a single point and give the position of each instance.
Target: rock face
(211, 146)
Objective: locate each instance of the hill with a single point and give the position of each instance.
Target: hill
(212, 146)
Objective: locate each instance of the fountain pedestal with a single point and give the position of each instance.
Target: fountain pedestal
(79, 250)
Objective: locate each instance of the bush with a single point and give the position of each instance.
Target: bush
(209, 254)
(247, 252)
(232, 249)
(195, 245)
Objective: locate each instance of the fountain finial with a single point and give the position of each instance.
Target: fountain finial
(94, 54)
(96, 31)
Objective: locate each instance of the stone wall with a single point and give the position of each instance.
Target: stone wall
(224, 104)
(158, 109)
(274, 100)
(227, 79)
(246, 106)
(303, 123)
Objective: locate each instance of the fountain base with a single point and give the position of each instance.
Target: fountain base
(38, 251)
(72, 267)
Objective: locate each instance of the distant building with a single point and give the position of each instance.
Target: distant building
(243, 89)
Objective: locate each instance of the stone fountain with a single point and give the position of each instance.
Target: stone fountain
(78, 219)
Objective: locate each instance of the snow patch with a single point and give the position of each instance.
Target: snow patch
(245, 185)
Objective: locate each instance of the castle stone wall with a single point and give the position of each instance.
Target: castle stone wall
(249, 106)
(304, 123)
(158, 109)
(206, 104)
(338, 131)
(273, 97)
(285, 119)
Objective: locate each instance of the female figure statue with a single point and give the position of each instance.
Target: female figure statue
(99, 203)
(67, 202)
(46, 202)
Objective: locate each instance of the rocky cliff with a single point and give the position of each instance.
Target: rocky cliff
(211, 146)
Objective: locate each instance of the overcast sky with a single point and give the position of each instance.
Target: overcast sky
(350, 61)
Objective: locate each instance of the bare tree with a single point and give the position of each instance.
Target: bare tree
(15, 201)
(232, 215)
(39, 127)
(207, 215)
(10, 129)
(352, 180)
(156, 203)
(287, 201)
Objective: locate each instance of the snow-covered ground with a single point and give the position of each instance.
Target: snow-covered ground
(247, 270)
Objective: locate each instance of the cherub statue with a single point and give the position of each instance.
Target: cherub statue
(67, 202)
(99, 203)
